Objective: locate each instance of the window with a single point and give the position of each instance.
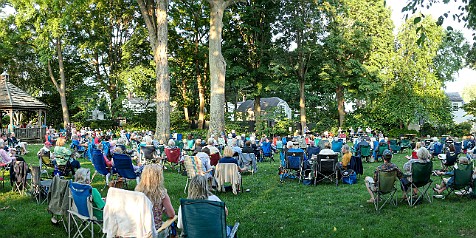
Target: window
(455, 106)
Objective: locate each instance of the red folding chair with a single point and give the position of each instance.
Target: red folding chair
(173, 157)
(214, 159)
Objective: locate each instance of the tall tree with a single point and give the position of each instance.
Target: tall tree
(154, 13)
(299, 31)
(217, 66)
(48, 23)
(251, 30)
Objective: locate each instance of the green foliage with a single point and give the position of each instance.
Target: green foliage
(103, 124)
(461, 129)
(470, 107)
(396, 132)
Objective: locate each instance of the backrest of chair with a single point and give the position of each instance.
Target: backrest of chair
(123, 166)
(437, 148)
(293, 160)
(337, 146)
(35, 175)
(247, 158)
(458, 147)
(20, 169)
(463, 175)
(382, 147)
(193, 166)
(451, 159)
(313, 150)
(120, 210)
(98, 162)
(214, 158)
(203, 218)
(327, 163)
(405, 142)
(266, 147)
(45, 159)
(173, 155)
(386, 181)
(365, 150)
(81, 194)
(279, 144)
(393, 142)
(421, 173)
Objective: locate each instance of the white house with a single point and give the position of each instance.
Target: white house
(138, 105)
(274, 104)
(459, 115)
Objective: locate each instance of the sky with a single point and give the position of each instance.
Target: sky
(466, 76)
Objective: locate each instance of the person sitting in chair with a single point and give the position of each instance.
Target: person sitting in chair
(346, 156)
(327, 149)
(63, 155)
(83, 176)
(387, 166)
(228, 157)
(152, 185)
(6, 159)
(423, 156)
(448, 182)
(198, 189)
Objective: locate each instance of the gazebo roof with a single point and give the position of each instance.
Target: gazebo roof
(12, 97)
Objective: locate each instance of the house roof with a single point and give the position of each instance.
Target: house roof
(265, 104)
(454, 97)
(12, 97)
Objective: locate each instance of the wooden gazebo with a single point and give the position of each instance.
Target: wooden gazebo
(13, 101)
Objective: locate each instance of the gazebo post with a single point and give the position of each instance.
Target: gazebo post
(39, 119)
(10, 127)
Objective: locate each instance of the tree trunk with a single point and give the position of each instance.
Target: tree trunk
(201, 98)
(340, 104)
(257, 112)
(302, 105)
(185, 100)
(217, 69)
(61, 87)
(155, 17)
(162, 86)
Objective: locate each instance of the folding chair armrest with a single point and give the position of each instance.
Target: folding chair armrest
(167, 224)
(234, 230)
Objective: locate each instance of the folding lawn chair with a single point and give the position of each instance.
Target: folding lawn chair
(394, 146)
(448, 161)
(405, 144)
(293, 161)
(124, 168)
(327, 168)
(204, 218)
(337, 146)
(382, 146)
(462, 180)
(420, 180)
(58, 200)
(365, 152)
(81, 211)
(45, 163)
(124, 218)
(19, 176)
(100, 166)
(266, 151)
(38, 188)
(458, 147)
(228, 173)
(193, 166)
(3, 167)
(385, 189)
(247, 161)
(173, 157)
(214, 158)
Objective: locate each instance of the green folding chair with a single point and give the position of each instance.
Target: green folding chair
(462, 179)
(204, 218)
(365, 152)
(385, 189)
(405, 144)
(421, 181)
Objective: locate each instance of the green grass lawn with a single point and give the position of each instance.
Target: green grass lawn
(274, 209)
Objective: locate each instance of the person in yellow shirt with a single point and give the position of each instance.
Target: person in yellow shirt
(346, 155)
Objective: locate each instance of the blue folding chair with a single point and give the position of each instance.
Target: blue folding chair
(100, 166)
(266, 151)
(81, 211)
(458, 147)
(337, 146)
(124, 168)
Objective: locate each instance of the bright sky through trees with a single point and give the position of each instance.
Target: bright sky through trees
(465, 76)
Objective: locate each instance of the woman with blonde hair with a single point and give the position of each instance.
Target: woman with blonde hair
(63, 155)
(152, 185)
(198, 189)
